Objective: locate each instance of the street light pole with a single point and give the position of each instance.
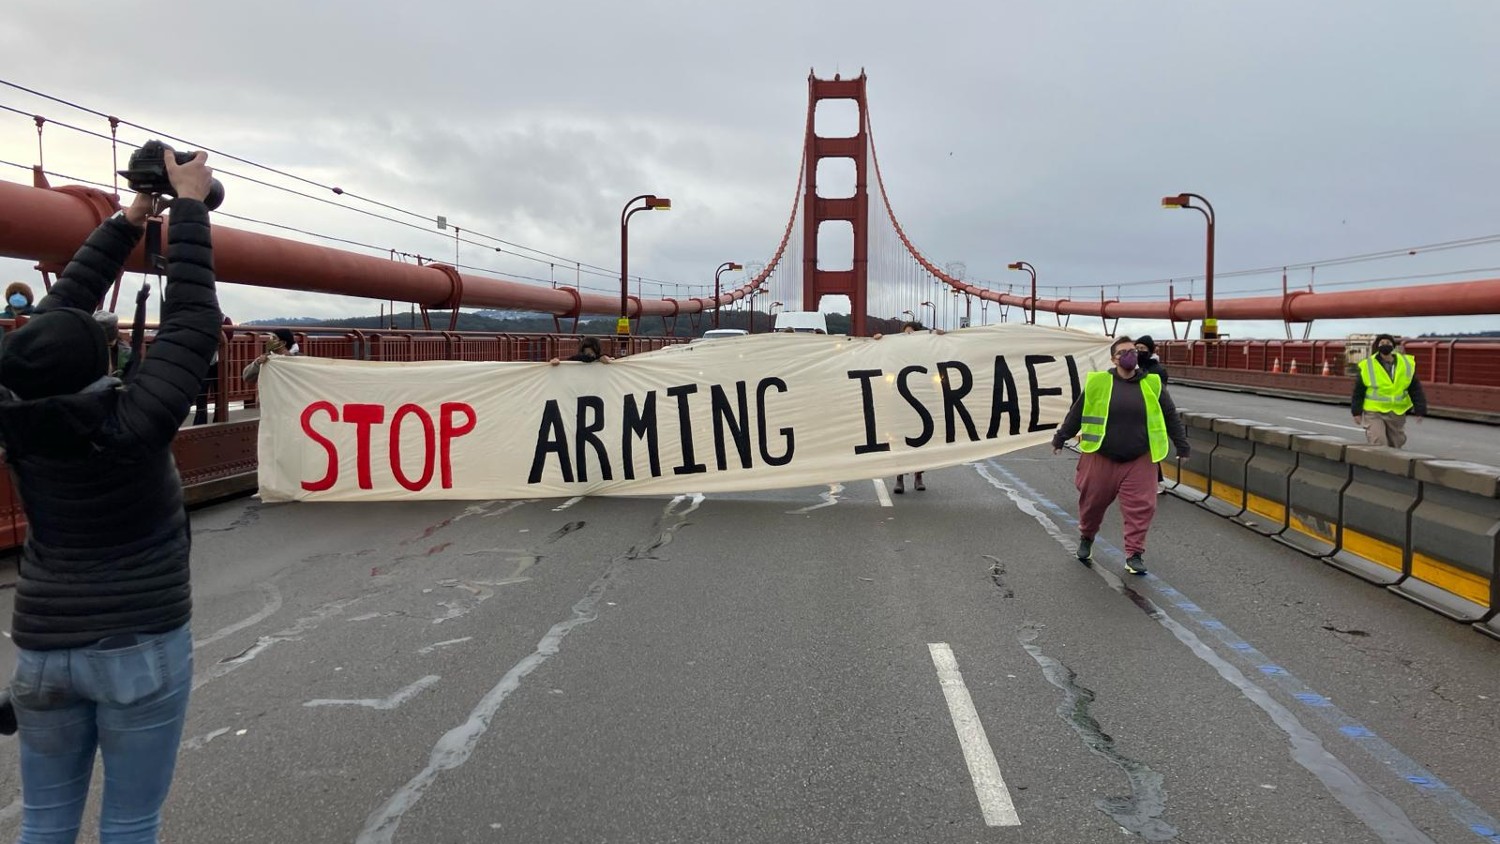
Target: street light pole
(1185, 200)
(652, 203)
(934, 312)
(727, 265)
(1022, 265)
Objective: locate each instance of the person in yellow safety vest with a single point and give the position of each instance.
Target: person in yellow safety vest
(1385, 390)
(1124, 421)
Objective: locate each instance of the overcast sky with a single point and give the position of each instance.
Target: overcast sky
(1039, 131)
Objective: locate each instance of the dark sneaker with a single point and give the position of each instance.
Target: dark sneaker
(900, 486)
(1135, 565)
(921, 487)
(1085, 549)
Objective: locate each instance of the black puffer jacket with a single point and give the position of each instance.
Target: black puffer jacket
(108, 547)
(1152, 366)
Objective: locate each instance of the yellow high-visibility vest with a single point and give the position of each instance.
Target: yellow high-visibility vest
(1383, 392)
(1096, 393)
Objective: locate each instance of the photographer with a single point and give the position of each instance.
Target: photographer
(103, 597)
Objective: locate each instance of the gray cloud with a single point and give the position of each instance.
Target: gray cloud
(1044, 132)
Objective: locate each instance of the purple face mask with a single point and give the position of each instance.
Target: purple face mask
(1129, 359)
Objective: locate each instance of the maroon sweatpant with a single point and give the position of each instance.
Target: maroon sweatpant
(1101, 480)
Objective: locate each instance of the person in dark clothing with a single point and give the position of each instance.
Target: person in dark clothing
(119, 353)
(1386, 389)
(103, 598)
(210, 389)
(1145, 348)
(589, 351)
(18, 299)
(281, 342)
(910, 327)
(1124, 421)
(1150, 364)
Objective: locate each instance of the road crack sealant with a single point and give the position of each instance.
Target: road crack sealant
(997, 576)
(1141, 812)
(1379, 813)
(830, 498)
(458, 744)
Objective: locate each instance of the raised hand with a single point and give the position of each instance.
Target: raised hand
(192, 180)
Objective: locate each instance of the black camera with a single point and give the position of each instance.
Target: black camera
(148, 173)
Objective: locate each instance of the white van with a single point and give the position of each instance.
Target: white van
(802, 322)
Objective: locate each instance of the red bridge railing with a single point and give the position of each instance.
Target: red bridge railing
(219, 459)
(1460, 376)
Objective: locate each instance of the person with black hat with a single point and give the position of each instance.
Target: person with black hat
(103, 597)
(1150, 364)
(1385, 391)
(281, 342)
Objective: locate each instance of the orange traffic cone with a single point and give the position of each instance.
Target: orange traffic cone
(1276, 367)
(1325, 368)
(1293, 369)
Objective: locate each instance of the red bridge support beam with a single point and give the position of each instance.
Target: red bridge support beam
(48, 225)
(855, 210)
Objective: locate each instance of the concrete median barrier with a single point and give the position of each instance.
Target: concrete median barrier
(1314, 494)
(1190, 476)
(1455, 542)
(1268, 477)
(1226, 467)
(1375, 524)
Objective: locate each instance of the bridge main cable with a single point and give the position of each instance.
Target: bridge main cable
(1459, 298)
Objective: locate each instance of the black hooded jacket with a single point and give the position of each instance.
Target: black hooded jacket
(107, 550)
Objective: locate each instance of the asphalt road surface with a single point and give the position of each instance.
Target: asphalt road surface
(810, 666)
(1447, 438)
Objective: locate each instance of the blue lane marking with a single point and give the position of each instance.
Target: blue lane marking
(1428, 784)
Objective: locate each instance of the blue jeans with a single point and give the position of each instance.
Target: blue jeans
(125, 696)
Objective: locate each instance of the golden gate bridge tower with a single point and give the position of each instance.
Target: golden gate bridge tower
(853, 282)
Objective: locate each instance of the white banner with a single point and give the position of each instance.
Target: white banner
(755, 412)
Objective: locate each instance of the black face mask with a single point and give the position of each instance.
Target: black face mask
(1385, 350)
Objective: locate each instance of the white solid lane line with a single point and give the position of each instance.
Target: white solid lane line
(569, 503)
(989, 786)
(885, 497)
(1325, 424)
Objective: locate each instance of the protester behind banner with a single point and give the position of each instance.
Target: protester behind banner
(281, 342)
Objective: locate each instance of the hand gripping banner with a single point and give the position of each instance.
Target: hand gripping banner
(755, 412)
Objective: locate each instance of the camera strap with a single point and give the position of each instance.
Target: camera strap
(156, 263)
(137, 331)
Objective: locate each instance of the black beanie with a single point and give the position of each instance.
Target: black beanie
(1145, 340)
(55, 353)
